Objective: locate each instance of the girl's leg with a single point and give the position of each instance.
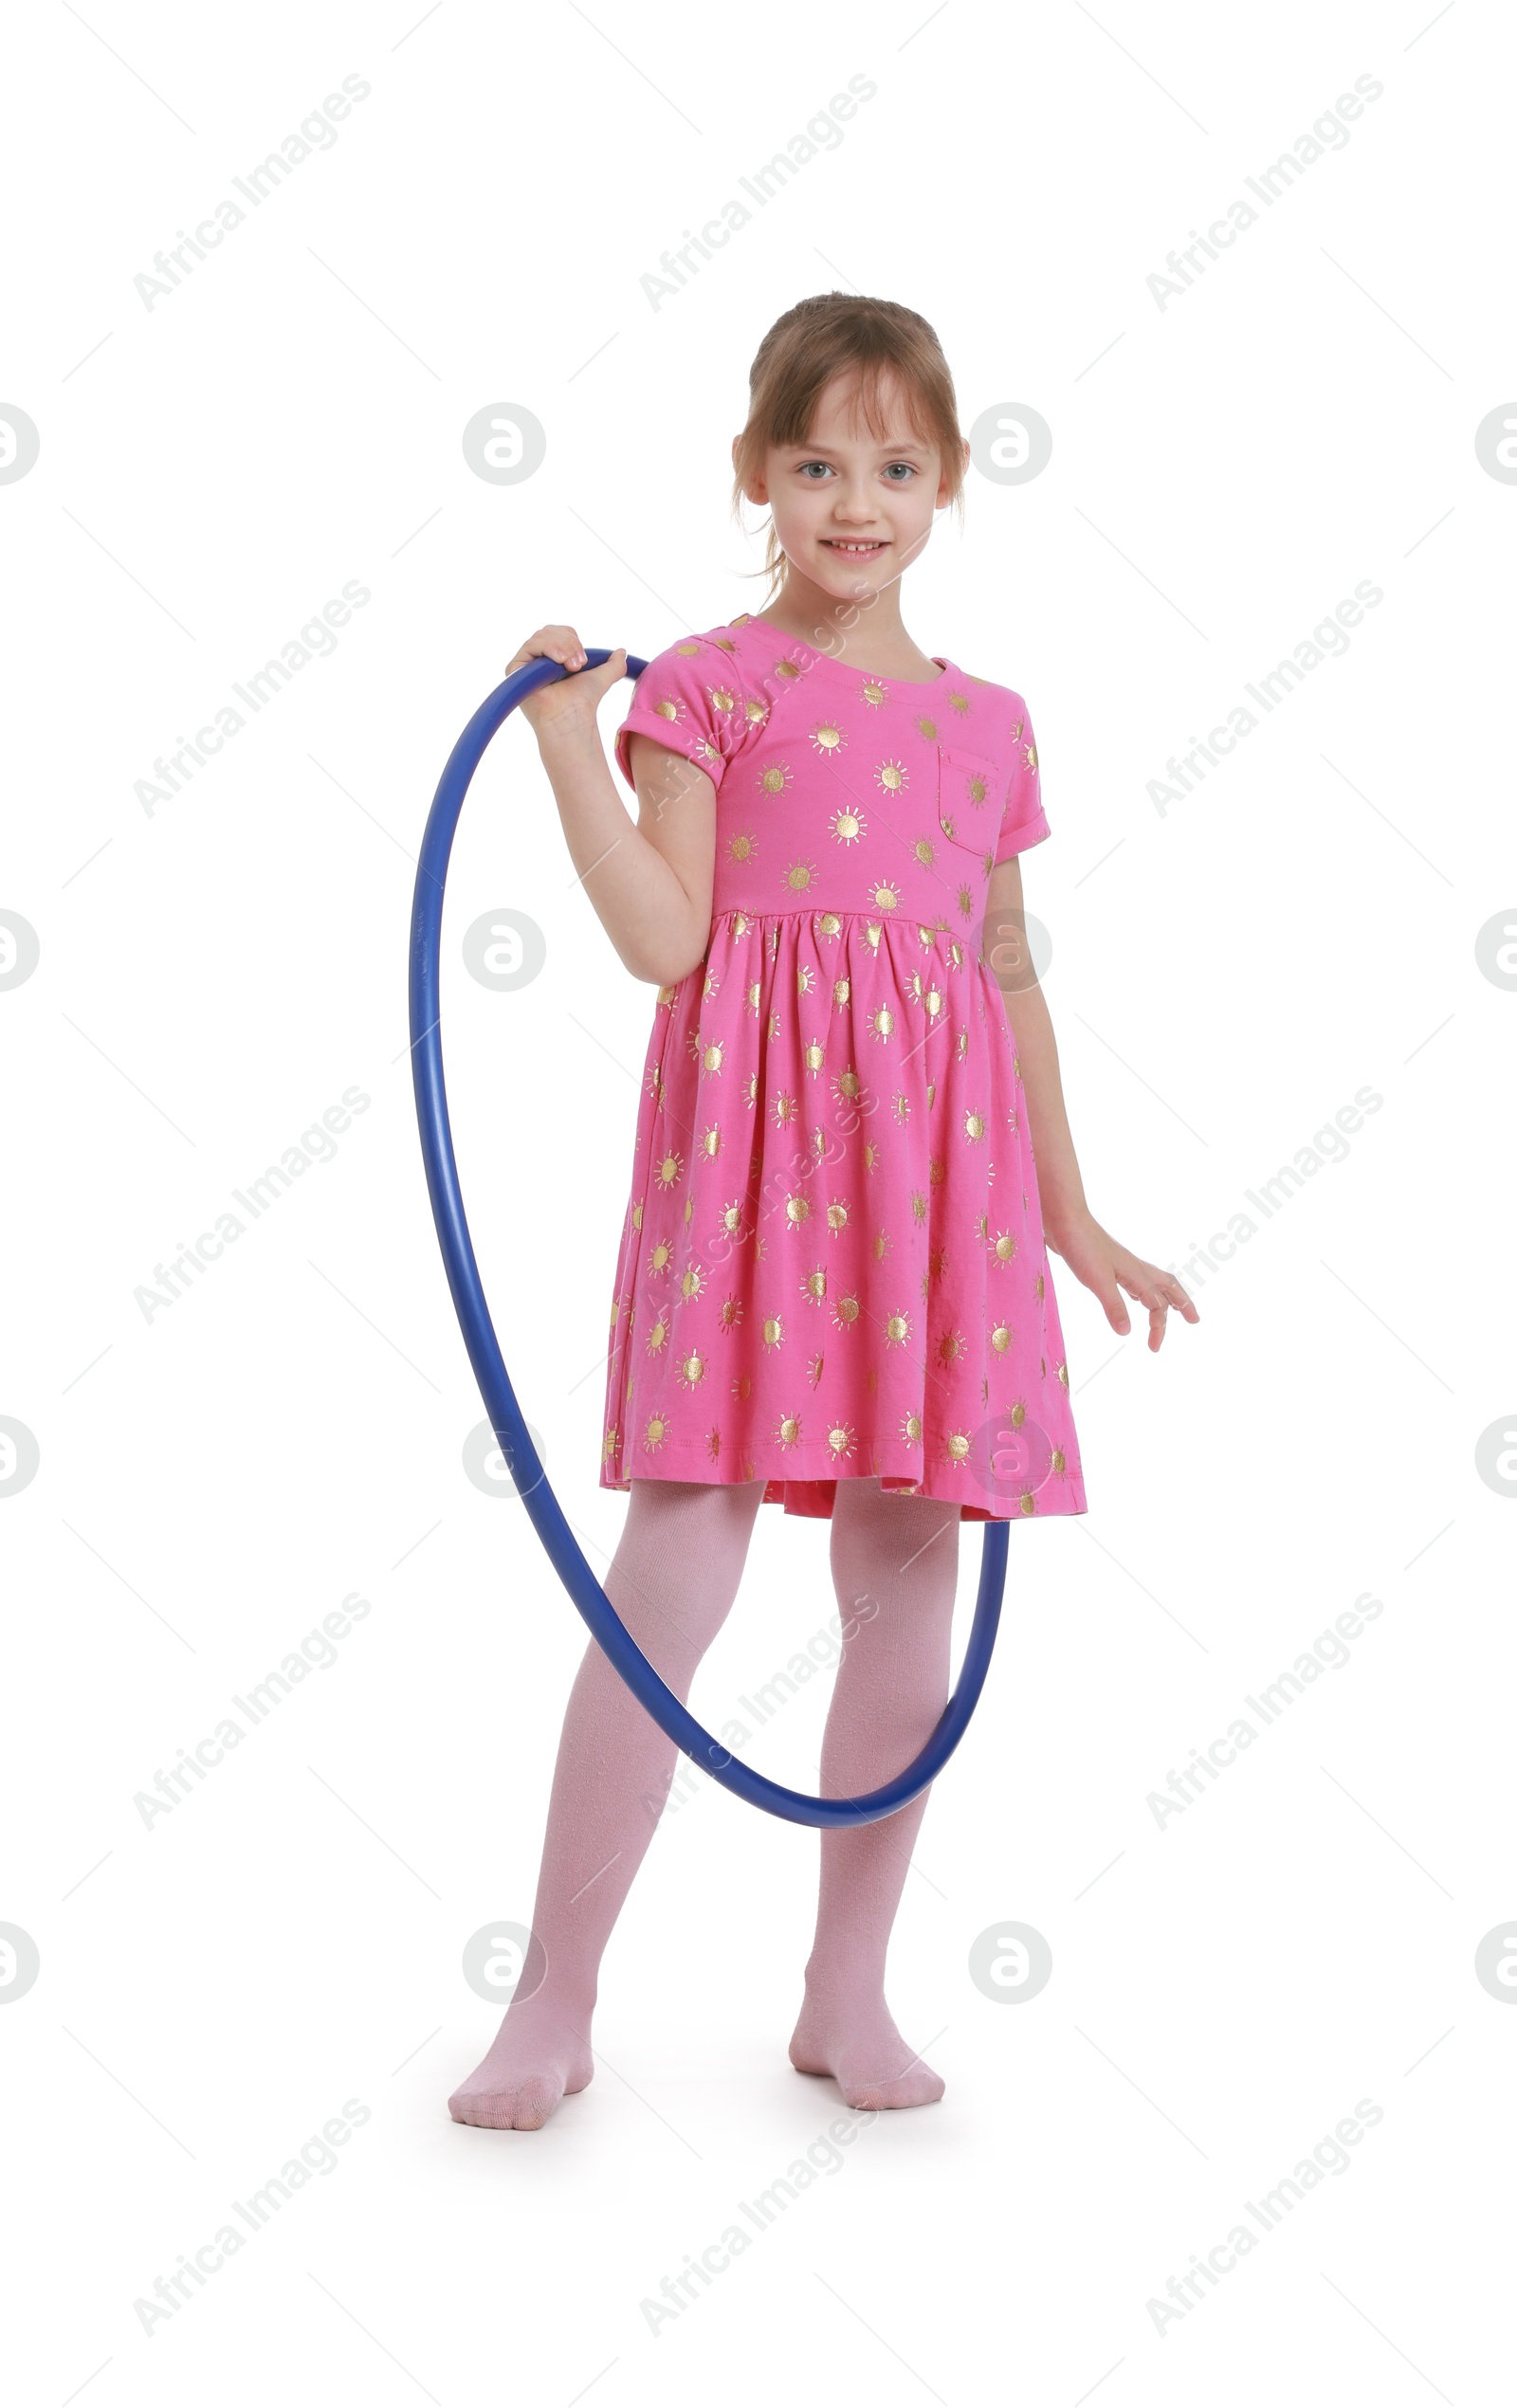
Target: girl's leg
(895, 1562)
(673, 1580)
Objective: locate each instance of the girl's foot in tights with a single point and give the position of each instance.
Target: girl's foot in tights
(895, 1564)
(673, 1580)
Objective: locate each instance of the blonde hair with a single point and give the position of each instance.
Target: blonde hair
(832, 334)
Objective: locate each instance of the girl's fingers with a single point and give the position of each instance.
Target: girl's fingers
(561, 644)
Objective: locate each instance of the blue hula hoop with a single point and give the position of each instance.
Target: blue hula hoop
(531, 1481)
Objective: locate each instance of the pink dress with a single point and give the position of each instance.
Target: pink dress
(831, 1263)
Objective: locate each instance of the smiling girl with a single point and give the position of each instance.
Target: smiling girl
(833, 1292)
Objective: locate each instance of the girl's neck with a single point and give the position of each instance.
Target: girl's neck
(863, 634)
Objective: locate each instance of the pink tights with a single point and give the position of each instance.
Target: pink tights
(673, 1581)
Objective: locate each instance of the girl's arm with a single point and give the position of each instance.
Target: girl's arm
(652, 885)
(1069, 1228)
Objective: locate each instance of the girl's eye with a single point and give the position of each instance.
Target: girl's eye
(907, 466)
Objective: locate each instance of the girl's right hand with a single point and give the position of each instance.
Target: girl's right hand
(565, 703)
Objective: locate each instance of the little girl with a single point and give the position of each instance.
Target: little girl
(833, 1292)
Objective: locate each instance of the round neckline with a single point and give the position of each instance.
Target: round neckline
(912, 684)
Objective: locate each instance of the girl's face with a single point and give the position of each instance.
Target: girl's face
(851, 513)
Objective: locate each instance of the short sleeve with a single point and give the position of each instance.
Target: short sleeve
(1022, 819)
(689, 699)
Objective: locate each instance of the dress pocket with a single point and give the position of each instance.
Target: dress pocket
(968, 794)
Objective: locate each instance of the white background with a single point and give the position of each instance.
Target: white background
(1225, 976)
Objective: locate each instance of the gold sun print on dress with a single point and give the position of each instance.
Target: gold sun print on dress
(774, 778)
(800, 875)
(928, 994)
(666, 1172)
(828, 738)
(848, 825)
